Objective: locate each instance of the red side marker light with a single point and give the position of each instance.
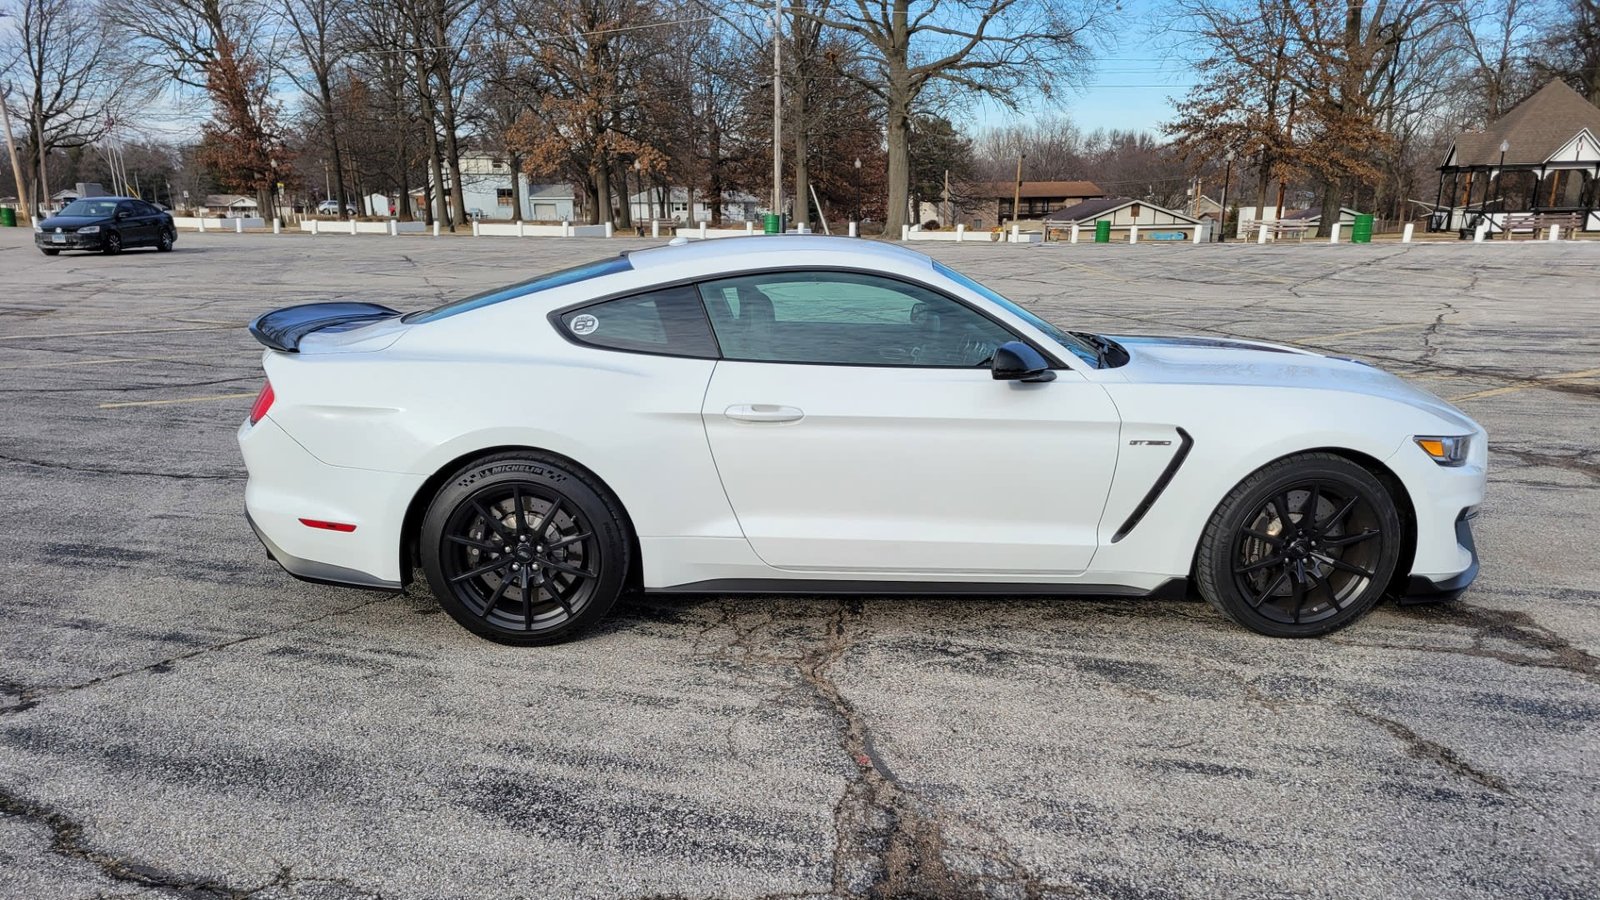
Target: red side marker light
(330, 526)
(263, 403)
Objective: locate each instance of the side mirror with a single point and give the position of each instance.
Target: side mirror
(1016, 361)
(121, 214)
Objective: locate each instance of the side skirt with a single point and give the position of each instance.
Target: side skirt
(1171, 589)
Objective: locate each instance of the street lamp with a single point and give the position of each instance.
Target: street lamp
(1222, 223)
(638, 182)
(1499, 173)
(858, 189)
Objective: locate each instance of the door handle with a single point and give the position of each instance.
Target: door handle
(763, 412)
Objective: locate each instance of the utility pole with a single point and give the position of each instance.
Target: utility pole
(1222, 223)
(11, 147)
(44, 181)
(777, 108)
(1016, 196)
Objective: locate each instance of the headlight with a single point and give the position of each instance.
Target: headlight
(1446, 450)
(89, 229)
(36, 226)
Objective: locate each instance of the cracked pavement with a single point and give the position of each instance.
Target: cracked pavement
(178, 718)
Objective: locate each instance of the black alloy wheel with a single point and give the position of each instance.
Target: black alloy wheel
(522, 549)
(113, 244)
(1301, 548)
(164, 240)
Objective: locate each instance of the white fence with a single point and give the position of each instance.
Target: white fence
(393, 226)
(214, 224)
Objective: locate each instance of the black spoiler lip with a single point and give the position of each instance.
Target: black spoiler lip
(282, 329)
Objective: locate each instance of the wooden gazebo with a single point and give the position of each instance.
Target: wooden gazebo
(1542, 157)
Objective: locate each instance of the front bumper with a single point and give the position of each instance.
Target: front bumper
(287, 484)
(1425, 589)
(45, 240)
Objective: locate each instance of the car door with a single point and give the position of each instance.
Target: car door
(133, 225)
(857, 427)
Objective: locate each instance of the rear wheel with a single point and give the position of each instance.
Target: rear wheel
(522, 548)
(1303, 547)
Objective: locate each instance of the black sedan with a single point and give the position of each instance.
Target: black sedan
(106, 224)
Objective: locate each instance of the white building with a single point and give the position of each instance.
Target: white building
(737, 206)
(487, 190)
(1123, 213)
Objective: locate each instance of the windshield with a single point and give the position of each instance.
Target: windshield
(523, 288)
(97, 208)
(1075, 345)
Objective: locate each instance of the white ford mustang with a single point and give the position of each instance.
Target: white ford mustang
(815, 415)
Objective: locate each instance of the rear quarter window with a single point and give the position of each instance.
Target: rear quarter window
(669, 322)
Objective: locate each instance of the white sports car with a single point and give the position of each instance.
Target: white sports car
(814, 415)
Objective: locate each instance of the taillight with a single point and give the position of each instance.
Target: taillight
(263, 403)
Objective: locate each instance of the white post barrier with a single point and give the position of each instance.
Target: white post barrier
(905, 232)
(436, 228)
(520, 232)
(276, 225)
(655, 228)
(316, 227)
(1074, 238)
(1196, 238)
(961, 232)
(1555, 232)
(1333, 235)
(394, 228)
(1016, 233)
(352, 226)
(610, 229)
(853, 229)
(202, 224)
(1479, 232)
(1405, 236)
(703, 231)
(238, 226)
(475, 232)
(750, 227)
(566, 228)
(1133, 234)
(1262, 237)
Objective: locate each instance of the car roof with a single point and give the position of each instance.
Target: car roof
(730, 251)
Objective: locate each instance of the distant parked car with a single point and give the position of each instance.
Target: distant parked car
(106, 224)
(331, 208)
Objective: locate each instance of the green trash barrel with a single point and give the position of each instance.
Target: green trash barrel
(1361, 231)
(1102, 231)
(772, 224)
(8, 217)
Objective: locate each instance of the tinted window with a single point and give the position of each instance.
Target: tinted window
(669, 321)
(97, 208)
(1077, 346)
(846, 318)
(523, 288)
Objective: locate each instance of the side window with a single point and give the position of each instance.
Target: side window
(669, 321)
(846, 318)
(126, 208)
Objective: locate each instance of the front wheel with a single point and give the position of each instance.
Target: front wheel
(521, 548)
(113, 244)
(1303, 547)
(164, 240)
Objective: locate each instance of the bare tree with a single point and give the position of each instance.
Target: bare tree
(315, 28)
(987, 48)
(70, 85)
(1571, 47)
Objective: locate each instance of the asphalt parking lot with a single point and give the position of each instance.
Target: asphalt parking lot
(180, 718)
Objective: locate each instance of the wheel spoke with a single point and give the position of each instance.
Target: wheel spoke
(519, 519)
(1267, 591)
(563, 567)
(481, 545)
(549, 516)
(492, 521)
(1343, 511)
(494, 598)
(1298, 594)
(1308, 514)
(1343, 566)
(555, 594)
(1258, 564)
(567, 541)
(527, 599)
(483, 569)
(1318, 581)
(1285, 514)
(1350, 539)
(1263, 536)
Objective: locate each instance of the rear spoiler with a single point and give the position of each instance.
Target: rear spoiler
(282, 329)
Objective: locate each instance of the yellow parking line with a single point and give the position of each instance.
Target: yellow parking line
(1345, 334)
(1538, 383)
(179, 400)
(24, 337)
(103, 361)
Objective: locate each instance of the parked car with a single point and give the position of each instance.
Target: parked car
(823, 415)
(331, 208)
(107, 225)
